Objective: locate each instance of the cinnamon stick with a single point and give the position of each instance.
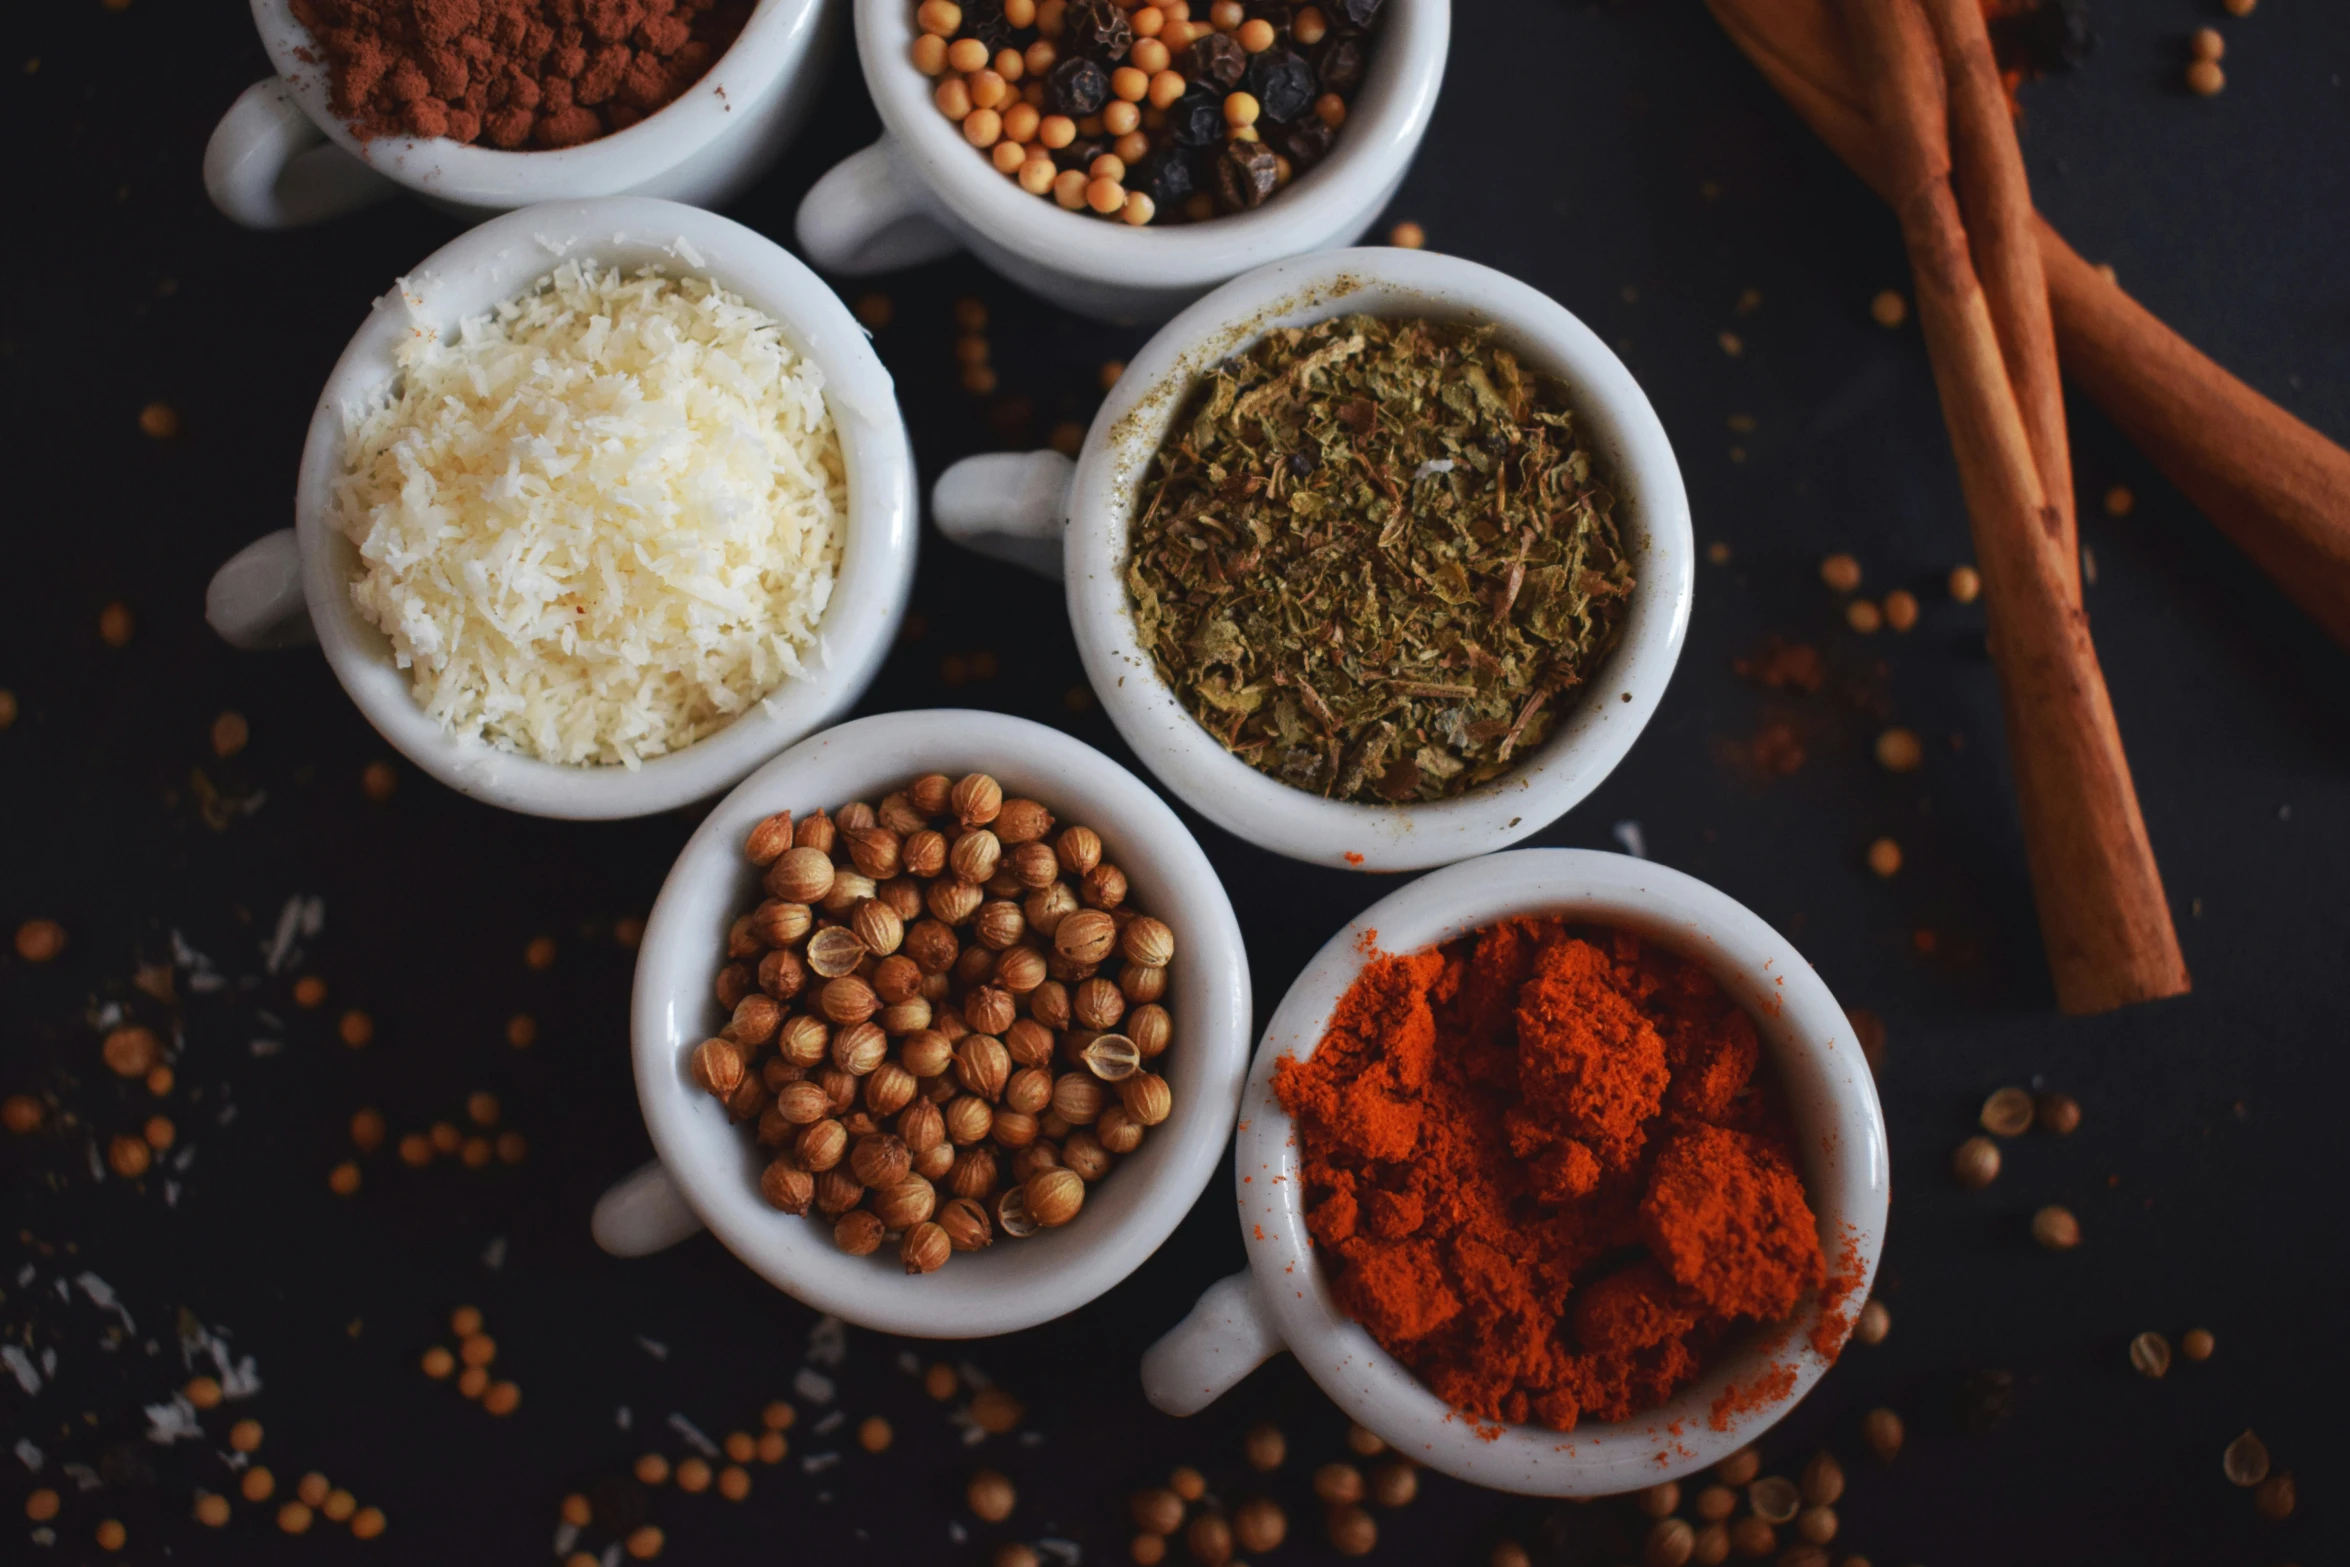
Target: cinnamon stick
(2276, 487)
(2103, 919)
(1996, 200)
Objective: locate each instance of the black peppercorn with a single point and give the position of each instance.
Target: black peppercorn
(1080, 153)
(984, 20)
(1245, 175)
(1986, 1400)
(1165, 176)
(1304, 143)
(1214, 58)
(1282, 83)
(1340, 64)
(1097, 29)
(1078, 87)
(1197, 118)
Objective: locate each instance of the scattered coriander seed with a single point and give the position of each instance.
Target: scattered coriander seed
(995, 1411)
(1975, 1162)
(2007, 1113)
(1395, 1484)
(1715, 1503)
(160, 421)
(940, 1382)
(2197, 1344)
(1889, 309)
(20, 1113)
(990, 1496)
(1816, 1525)
(1352, 1531)
(212, 1509)
(1774, 1499)
(1265, 1447)
(1147, 1550)
(1661, 1500)
(1901, 609)
(1881, 1429)
(1338, 1484)
(129, 1157)
(2150, 1355)
(1209, 1538)
(343, 1179)
(1863, 616)
(2275, 1497)
(1884, 857)
(1898, 751)
(1823, 1480)
(874, 1434)
(2055, 1228)
(2245, 1463)
(1407, 235)
(1188, 1483)
(1712, 1547)
(1259, 1525)
(1840, 572)
(2059, 1113)
(1753, 1536)
(1740, 1467)
(39, 940)
(131, 1050)
(1965, 584)
(540, 953)
(1671, 1542)
(2205, 78)
(2119, 502)
(1157, 1511)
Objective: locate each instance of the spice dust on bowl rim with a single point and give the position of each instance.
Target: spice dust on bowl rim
(298, 582)
(1040, 510)
(708, 1171)
(1284, 1300)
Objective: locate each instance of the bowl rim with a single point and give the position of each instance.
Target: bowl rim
(986, 1293)
(494, 261)
(776, 34)
(1832, 1098)
(1634, 454)
(1384, 127)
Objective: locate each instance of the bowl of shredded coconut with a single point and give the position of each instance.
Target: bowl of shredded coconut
(607, 503)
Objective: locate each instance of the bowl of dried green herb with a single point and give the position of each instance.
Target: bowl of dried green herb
(1378, 558)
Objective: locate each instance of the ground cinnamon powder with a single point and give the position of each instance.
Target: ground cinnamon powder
(514, 73)
(1545, 1172)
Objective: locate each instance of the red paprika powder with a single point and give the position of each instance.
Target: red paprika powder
(514, 73)
(1545, 1171)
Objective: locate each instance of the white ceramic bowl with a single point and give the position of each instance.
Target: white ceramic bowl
(297, 581)
(922, 192)
(281, 157)
(1284, 1301)
(1040, 511)
(708, 1170)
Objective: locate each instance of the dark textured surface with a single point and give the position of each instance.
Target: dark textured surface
(1622, 158)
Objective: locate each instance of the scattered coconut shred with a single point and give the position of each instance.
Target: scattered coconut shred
(601, 522)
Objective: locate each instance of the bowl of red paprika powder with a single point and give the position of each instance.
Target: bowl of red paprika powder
(1575, 1300)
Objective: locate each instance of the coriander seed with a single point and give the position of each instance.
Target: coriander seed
(2059, 1113)
(2007, 1113)
(1671, 1542)
(1264, 1447)
(2197, 1344)
(1157, 1511)
(2150, 1355)
(1661, 1500)
(1259, 1525)
(990, 1494)
(1840, 572)
(1881, 1429)
(2056, 1229)
(1209, 1538)
(1875, 1322)
(1975, 1162)
(2245, 1462)
(1753, 1536)
(1715, 1503)
(1823, 1480)
(1774, 1499)
(1338, 1484)
(1352, 1531)
(2275, 1497)
(1395, 1484)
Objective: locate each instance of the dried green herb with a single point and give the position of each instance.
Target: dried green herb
(1373, 560)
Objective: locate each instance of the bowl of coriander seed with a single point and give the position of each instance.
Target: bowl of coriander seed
(940, 1023)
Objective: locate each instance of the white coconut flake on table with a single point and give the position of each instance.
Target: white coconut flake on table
(602, 520)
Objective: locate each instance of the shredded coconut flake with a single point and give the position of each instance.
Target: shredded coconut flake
(601, 521)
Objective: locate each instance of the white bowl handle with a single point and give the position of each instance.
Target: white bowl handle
(268, 167)
(872, 213)
(255, 600)
(1011, 505)
(1228, 1335)
(642, 1214)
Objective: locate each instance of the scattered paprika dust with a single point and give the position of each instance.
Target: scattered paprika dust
(1545, 1172)
(514, 73)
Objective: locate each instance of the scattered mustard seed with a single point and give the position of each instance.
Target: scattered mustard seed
(1068, 438)
(111, 1535)
(1509, 1553)
(1889, 309)
(416, 1149)
(41, 1505)
(39, 941)
(2205, 78)
(512, 1148)
(1965, 584)
(1863, 616)
(2197, 1344)
(694, 1476)
(311, 1489)
(1407, 235)
(159, 1080)
(1352, 1531)
(1147, 1550)
(1265, 1447)
(1259, 1525)
(522, 1031)
(20, 1113)
(367, 1523)
(1109, 373)
(1188, 1483)
(1874, 1324)
(1885, 857)
(338, 1506)
(367, 1130)
(160, 421)
(874, 1434)
(1901, 609)
(473, 1381)
(230, 734)
(540, 954)
(309, 991)
(2119, 502)
(377, 781)
(343, 1179)
(212, 1510)
(2238, 7)
(465, 1321)
(875, 310)
(129, 1157)
(644, 1543)
(771, 1447)
(652, 1469)
(356, 1028)
(1899, 751)
(202, 1392)
(995, 1411)
(734, 1482)
(259, 1484)
(990, 1496)
(131, 1050)
(1210, 1540)
(503, 1398)
(116, 623)
(7, 708)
